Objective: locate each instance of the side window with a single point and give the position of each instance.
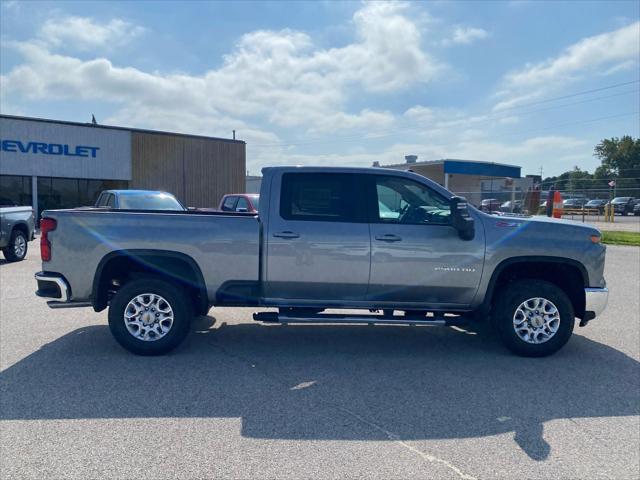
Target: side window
(400, 200)
(111, 203)
(243, 205)
(326, 197)
(229, 204)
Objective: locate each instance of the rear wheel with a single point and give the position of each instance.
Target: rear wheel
(150, 316)
(17, 248)
(533, 318)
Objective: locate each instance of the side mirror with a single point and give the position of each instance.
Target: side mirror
(461, 220)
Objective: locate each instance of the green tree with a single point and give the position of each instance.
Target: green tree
(620, 159)
(574, 181)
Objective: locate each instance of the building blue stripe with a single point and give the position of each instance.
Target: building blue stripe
(480, 168)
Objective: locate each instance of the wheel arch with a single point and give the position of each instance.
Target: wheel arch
(127, 264)
(568, 274)
(23, 227)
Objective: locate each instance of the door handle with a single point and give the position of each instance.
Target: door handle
(389, 237)
(286, 234)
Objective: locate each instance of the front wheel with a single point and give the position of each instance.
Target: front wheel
(533, 318)
(150, 316)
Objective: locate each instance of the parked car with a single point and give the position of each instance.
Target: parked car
(511, 207)
(240, 202)
(490, 205)
(324, 243)
(596, 204)
(636, 208)
(575, 203)
(17, 229)
(623, 205)
(138, 200)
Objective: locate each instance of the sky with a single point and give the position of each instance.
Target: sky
(529, 83)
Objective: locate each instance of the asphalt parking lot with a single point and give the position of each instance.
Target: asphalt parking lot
(244, 400)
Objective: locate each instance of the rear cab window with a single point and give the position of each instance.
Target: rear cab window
(229, 203)
(324, 197)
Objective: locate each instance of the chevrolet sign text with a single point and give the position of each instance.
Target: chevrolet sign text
(17, 146)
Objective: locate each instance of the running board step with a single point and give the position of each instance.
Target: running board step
(61, 304)
(275, 317)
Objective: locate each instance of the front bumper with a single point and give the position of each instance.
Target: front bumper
(595, 302)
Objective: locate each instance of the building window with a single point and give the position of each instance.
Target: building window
(54, 193)
(15, 189)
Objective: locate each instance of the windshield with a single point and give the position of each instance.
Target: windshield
(150, 201)
(255, 199)
(621, 200)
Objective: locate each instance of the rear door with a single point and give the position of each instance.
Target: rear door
(416, 255)
(318, 246)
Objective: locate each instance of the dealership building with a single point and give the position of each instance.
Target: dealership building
(474, 179)
(55, 164)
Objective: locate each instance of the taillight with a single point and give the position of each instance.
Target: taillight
(46, 225)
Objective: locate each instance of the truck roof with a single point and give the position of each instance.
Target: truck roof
(367, 170)
(334, 169)
(136, 192)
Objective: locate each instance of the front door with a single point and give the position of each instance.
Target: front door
(317, 242)
(416, 255)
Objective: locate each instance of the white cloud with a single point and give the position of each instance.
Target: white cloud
(465, 36)
(273, 77)
(613, 51)
(84, 33)
(533, 151)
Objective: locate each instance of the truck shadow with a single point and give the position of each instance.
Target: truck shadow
(327, 382)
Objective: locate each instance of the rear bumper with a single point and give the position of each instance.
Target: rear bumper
(51, 285)
(54, 286)
(595, 302)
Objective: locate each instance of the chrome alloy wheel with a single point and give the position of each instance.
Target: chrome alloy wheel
(536, 320)
(20, 246)
(148, 317)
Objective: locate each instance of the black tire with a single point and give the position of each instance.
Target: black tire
(174, 295)
(508, 301)
(10, 250)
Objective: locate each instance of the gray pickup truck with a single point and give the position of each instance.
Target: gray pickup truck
(17, 229)
(394, 245)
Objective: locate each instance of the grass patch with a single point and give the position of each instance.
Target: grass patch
(621, 238)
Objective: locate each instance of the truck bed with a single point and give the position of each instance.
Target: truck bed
(225, 245)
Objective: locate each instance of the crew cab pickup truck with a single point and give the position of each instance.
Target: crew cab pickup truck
(17, 228)
(392, 244)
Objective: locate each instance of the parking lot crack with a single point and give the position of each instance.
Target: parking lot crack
(396, 439)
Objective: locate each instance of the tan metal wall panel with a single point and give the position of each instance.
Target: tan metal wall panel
(198, 171)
